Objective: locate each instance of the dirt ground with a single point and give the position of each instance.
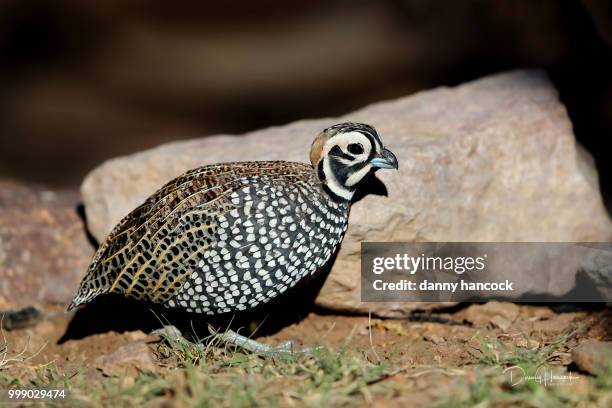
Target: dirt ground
(459, 361)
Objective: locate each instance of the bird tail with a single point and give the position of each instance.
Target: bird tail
(86, 293)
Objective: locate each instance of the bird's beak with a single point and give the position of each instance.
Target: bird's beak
(385, 160)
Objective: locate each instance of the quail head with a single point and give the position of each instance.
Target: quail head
(230, 237)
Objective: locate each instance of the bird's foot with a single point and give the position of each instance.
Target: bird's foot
(171, 333)
(283, 351)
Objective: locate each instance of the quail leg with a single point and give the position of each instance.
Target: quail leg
(285, 350)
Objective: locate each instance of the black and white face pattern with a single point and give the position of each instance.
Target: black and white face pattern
(350, 152)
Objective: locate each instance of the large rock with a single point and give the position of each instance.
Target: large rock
(44, 250)
(491, 160)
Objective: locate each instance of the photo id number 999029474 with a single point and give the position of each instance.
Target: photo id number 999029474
(33, 394)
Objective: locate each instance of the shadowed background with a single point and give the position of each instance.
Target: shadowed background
(84, 81)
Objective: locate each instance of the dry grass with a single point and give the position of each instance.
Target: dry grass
(8, 358)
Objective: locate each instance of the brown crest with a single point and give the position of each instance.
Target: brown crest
(317, 148)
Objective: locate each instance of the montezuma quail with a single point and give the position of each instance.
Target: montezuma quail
(229, 237)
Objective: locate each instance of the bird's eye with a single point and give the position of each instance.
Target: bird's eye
(355, 148)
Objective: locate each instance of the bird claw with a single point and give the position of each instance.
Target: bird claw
(170, 332)
(287, 351)
(283, 351)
